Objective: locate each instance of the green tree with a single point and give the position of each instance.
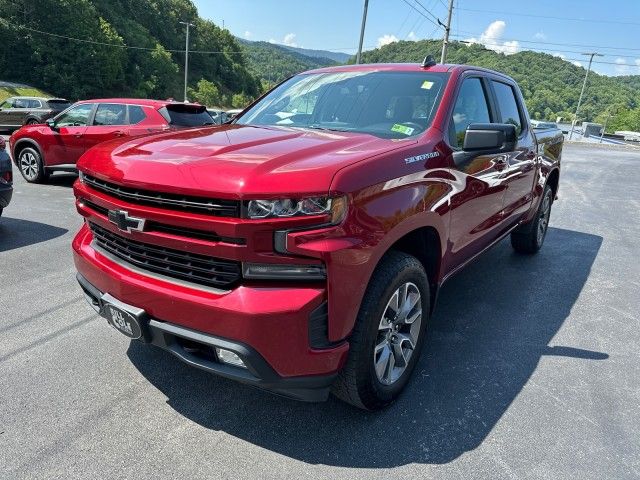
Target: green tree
(207, 93)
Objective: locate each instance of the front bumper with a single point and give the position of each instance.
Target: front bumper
(266, 326)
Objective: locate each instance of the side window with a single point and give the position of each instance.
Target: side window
(110, 114)
(6, 104)
(35, 104)
(20, 103)
(136, 114)
(471, 107)
(508, 105)
(78, 116)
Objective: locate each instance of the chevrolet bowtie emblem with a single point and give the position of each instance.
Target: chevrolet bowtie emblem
(124, 222)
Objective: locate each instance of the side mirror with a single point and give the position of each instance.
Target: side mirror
(51, 124)
(490, 138)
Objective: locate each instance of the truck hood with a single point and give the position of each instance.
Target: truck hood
(233, 161)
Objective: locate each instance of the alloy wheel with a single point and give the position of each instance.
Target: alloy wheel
(543, 221)
(398, 333)
(29, 166)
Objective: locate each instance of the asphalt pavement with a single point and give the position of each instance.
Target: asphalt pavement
(531, 369)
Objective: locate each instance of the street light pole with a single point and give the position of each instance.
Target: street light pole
(364, 21)
(584, 84)
(447, 28)
(186, 58)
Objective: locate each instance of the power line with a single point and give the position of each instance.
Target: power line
(550, 17)
(553, 43)
(416, 9)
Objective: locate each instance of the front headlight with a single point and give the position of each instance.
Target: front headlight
(287, 207)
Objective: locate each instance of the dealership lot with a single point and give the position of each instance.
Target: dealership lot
(531, 369)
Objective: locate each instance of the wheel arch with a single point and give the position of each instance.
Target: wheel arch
(21, 145)
(553, 180)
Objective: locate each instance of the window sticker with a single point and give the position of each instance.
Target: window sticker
(426, 85)
(402, 129)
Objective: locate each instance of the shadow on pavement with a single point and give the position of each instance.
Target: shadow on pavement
(62, 179)
(16, 233)
(492, 324)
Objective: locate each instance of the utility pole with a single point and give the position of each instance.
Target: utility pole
(364, 21)
(186, 58)
(447, 28)
(584, 84)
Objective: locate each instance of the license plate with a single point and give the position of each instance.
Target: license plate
(127, 319)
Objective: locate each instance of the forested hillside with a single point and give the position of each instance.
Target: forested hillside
(96, 68)
(551, 86)
(274, 63)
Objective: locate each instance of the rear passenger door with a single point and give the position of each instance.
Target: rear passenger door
(518, 175)
(476, 205)
(109, 122)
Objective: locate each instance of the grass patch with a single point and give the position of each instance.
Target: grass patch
(6, 92)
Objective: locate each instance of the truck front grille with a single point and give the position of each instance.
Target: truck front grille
(194, 268)
(218, 207)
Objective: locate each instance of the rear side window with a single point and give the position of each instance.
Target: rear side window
(58, 105)
(186, 115)
(471, 107)
(136, 114)
(110, 114)
(508, 105)
(35, 104)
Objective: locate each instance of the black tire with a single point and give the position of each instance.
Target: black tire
(32, 121)
(31, 166)
(528, 238)
(358, 383)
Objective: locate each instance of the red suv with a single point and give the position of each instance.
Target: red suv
(38, 150)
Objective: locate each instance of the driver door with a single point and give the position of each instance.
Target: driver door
(477, 204)
(68, 139)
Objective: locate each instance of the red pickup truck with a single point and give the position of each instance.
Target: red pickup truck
(300, 248)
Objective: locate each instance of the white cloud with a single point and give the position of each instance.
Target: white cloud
(560, 55)
(412, 36)
(491, 38)
(288, 40)
(577, 63)
(540, 36)
(386, 39)
(247, 34)
(621, 67)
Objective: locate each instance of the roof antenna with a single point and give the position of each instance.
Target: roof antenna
(428, 61)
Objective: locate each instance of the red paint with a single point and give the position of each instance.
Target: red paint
(468, 207)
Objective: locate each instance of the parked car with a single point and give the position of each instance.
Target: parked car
(39, 150)
(219, 116)
(18, 111)
(302, 253)
(233, 113)
(6, 177)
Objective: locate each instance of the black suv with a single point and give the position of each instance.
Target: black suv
(18, 111)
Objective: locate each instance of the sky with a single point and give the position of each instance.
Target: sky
(568, 28)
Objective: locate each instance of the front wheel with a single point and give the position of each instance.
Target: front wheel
(528, 238)
(388, 336)
(31, 166)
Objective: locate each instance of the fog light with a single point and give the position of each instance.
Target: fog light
(227, 356)
(274, 271)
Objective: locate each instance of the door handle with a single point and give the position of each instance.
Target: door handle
(118, 133)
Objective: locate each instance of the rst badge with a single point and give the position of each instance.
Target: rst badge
(419, 158)
(126, 223)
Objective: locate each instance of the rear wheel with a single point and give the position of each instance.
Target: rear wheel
(32, 121)
(31, 167)
(528, 238)
(388, 336)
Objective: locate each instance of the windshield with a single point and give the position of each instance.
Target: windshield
(385, 104)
